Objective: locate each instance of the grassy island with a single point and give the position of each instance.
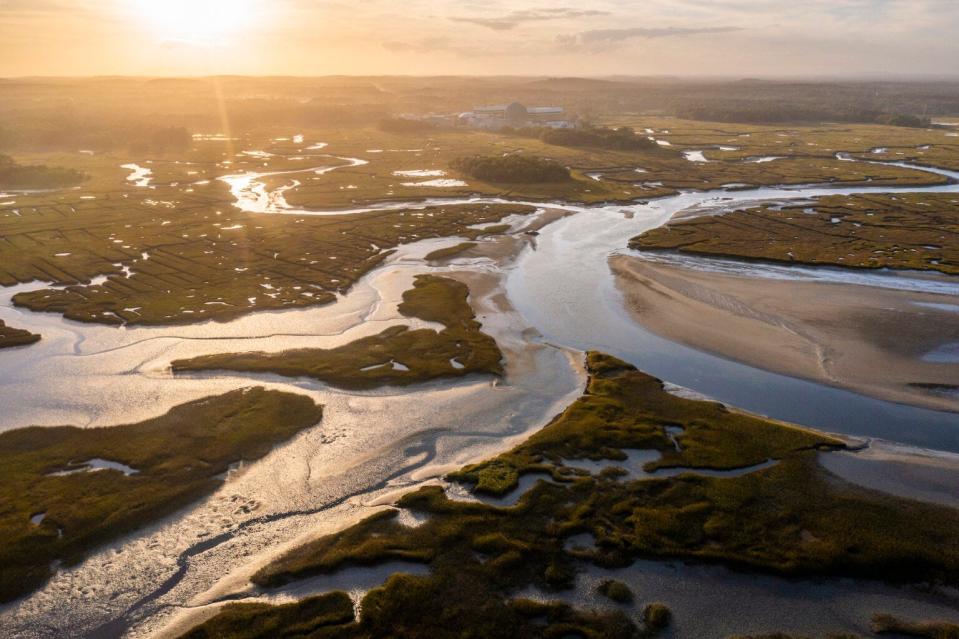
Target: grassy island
(906, 231)
(66, 490)
(10, 336)
(786, 516)
(398, 356)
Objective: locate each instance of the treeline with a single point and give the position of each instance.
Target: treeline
(404, 126)
(163, 140)
(777, 114)
(512, 169)
(621, 139)
(18, 176)
(68, 134)
(76, 107)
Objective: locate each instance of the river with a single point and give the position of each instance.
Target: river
(372, 445)
(565, 289)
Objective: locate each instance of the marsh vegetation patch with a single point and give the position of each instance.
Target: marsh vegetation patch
(10, 336)
(918, 231)
(397, 356)
(93, 485)
(792, 518)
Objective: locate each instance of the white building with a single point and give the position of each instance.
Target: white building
(517, 116)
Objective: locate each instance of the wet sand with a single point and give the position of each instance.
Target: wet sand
(904, 471)
(878, 342)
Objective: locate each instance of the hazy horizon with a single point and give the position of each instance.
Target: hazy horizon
(306, 38)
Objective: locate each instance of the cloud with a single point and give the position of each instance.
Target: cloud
(426, 45)
(431, 46)
(603, 39)
(516, 18)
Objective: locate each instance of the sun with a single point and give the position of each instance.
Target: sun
(196, 22)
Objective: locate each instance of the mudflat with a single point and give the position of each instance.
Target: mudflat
(879, 342)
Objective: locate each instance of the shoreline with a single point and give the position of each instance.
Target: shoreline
(863, 339)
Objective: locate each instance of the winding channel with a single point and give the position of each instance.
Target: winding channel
(564, 288)
(373, 444)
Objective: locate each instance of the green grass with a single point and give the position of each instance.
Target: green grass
(368, 362)
(906, 231)
(792, 518)
(177, 458)
(10, 336)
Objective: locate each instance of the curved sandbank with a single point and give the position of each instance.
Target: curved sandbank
(867, 339)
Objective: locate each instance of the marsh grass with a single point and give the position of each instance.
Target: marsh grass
(791, 519)
(424, 354)
(904, 231)
(623, 408)
(311, 617)
(449, 252)
(10, 336)
(176, 458)
(209, 261)
(179, 252)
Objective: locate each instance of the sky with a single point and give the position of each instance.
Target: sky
(740, 38)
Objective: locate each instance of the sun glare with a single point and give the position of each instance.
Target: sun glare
(197, 22)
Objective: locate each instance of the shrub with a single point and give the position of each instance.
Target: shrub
(512, 169)
(616, 591)
(621, 139)
(17, 176)
(656, 617)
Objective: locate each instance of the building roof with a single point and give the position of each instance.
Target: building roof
(489, 109)
(544, 110)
